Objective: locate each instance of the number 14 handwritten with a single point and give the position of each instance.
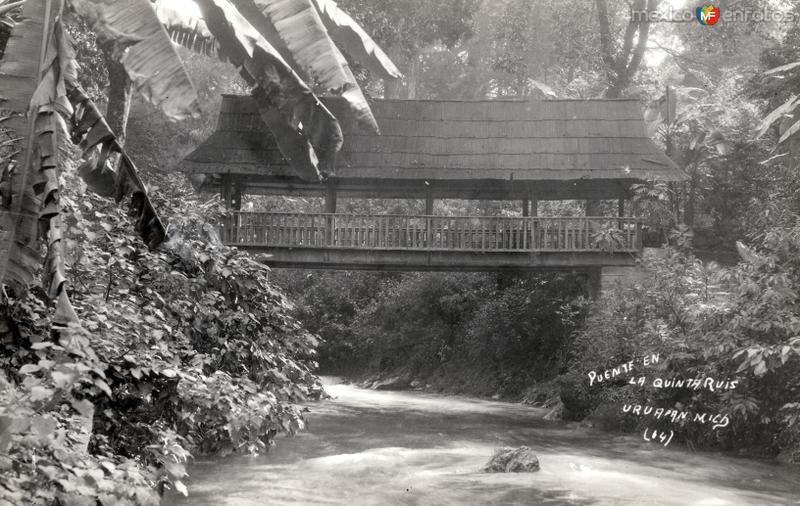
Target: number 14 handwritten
(658, 436)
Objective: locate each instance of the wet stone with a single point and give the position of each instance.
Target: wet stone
(513, 460)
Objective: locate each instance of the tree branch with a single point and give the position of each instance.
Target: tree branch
(641, 43)
(630, 58)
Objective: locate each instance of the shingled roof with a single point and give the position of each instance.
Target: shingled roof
(457, 140)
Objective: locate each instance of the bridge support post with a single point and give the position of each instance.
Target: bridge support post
(226, 191)
(330, 208)
(236, 197)
(428, 201)
(428, 214)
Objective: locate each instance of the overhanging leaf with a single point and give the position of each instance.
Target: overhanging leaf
(307, 134)
(299, 26)
(91, 131)
(772, 117)
(356, 42)
(145, 50)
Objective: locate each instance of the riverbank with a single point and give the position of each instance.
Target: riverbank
(467, 380)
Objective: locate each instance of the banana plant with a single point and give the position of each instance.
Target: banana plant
(279, 46)
(39, 57)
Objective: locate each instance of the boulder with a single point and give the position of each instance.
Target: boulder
(513, 460)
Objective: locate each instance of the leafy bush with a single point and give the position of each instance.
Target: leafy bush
(709, 322)
(477, 333)
(184, 349)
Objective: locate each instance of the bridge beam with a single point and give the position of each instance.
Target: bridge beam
(389, 260)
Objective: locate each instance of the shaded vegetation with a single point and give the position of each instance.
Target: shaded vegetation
(182, 352)
(479, 333)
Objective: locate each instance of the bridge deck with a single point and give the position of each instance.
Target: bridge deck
(401, 242)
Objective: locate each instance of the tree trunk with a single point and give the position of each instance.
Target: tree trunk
(624, 65)
(120, 92)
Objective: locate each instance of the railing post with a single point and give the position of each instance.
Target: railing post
(329, 226)
(428, 233)
(525, 234)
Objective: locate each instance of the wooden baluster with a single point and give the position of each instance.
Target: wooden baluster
(349, 241)
(486, 230)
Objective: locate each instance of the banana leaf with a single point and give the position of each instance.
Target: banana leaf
(143, 47)
(354, 39)
(306, 132)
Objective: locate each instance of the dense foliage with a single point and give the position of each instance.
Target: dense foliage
(478, 333)
(705, 321)
(184, 350)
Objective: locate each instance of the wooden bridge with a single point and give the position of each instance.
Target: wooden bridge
(402, 242)
(510, 150)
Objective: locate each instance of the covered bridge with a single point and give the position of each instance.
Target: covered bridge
(520, 150)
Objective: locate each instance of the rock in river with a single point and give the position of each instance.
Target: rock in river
(513, 460)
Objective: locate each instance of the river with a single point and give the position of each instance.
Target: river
(366, 447)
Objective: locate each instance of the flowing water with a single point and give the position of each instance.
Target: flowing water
(366, 447)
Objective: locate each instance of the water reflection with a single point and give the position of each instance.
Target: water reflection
(368, 447)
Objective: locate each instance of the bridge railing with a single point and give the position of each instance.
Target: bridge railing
(437, 233)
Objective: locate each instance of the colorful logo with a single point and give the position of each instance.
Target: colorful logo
(708, 14)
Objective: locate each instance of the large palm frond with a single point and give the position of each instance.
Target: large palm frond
(306, 132)
(302, 31)
(142, 46)
(356, 42)
(20, 71)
